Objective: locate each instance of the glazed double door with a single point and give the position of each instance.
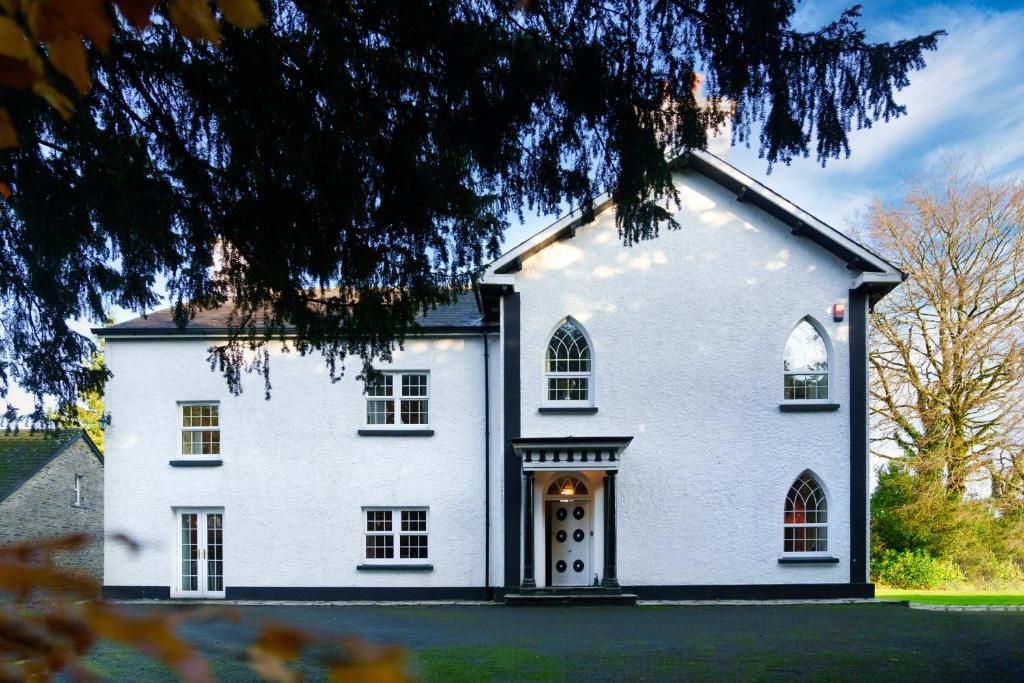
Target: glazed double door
(200, 553)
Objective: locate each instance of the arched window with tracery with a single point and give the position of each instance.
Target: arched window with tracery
(806, 364)
(806, 519)
(569, 366)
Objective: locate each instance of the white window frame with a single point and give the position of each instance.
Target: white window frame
(829, 359)
(182, 429)
(79, 490)
(808, 525)
(551, 374)
(395, 534)
(395, 398)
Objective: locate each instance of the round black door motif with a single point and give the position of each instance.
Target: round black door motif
(561, 514)
(560, 536)
(578, 512)
(578, 535)
(560, 565)
(577, 566)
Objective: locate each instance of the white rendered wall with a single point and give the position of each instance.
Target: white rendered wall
(688, 332)
(296, 474)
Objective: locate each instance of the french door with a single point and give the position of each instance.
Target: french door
(199, 553)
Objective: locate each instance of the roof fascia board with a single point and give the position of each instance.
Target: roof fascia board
(566, 225)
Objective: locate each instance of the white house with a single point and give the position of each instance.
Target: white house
(683, 418)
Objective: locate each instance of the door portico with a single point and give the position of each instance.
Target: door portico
(568, 487)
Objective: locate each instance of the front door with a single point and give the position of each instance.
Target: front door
(200, 554)
(570, 543)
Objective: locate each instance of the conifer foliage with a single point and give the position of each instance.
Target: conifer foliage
(340, 166)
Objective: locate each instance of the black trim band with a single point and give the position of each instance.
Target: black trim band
(512, 474)
(808, 407)
(808, 560)
(136, 593)
(587, 410)
(396, 432)
(395, 567)
(355, 593)
(777, 591)
(196, 463)
(858, 437)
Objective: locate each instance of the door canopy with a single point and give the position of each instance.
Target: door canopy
(571, 452)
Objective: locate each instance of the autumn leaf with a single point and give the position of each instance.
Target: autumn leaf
(64, 106)
(20, 63)
(283, 641)
(67, 54)
(137, 12)
(195, 20)
(242, 13)
(8, 135)
(5, 190)
(271, 668)
(60, 19)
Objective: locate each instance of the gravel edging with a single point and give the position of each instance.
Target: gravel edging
(966, 608)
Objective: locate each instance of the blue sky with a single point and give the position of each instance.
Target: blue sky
(969, 100)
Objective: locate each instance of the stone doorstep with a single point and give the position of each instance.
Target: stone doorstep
(574, 599)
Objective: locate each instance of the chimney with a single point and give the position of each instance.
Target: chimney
(720, 138)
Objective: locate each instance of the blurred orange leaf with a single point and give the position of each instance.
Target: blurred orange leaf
(64, 106)
(153, 635)
(67, 54)
(271, 668)
(195, 20)
(137, 12)
(241, 13)
(5, 190)
(57, 19)
(283, 641)
(20, 63)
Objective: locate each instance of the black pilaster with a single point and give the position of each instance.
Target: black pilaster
(611, 571)
(528, 580)
(858, 436)
(512, 470)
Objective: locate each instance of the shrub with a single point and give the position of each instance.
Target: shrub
(988, 571)
(915, 569)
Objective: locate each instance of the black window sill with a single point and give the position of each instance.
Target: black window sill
(808, 407)
(395, 567)
(808, 560)
(578, 410)
(196, 463)
(396, 432)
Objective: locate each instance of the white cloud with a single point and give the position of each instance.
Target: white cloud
(968, 99)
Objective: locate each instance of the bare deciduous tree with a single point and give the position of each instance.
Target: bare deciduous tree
(948, 345)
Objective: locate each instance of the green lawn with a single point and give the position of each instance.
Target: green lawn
(966, 597)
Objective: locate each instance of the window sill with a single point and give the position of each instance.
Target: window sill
(808, 560)
(396, 432)
(808, 407)
(395, 567)
(196, 463)
(574, 410)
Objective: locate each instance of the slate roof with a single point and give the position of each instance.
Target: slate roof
(24, 453)
(461, 314)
